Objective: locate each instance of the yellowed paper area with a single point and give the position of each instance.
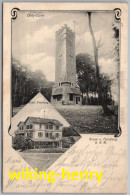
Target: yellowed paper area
(53, 115)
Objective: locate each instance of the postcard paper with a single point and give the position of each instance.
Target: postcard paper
(64, 97)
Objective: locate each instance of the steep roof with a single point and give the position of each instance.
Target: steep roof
(72, 90)
(21, 122)
(69, 131)
(57, 91)
(44, 121)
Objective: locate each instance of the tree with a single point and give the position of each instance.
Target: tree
(106, 83)
(116, 36)
(86, 72)
(106, 110)
(26, 84)
(46, 90)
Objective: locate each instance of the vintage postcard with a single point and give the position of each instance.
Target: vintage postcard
(64, 97)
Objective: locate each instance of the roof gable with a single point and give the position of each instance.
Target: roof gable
(29, 118)
(39, 120)
(20, 123)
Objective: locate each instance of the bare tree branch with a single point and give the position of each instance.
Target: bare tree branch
(95, 47)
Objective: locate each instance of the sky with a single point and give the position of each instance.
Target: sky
(33, 38)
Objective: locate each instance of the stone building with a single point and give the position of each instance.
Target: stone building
(65, 91)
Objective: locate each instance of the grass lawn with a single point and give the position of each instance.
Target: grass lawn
(86, 119)
(41, 161)
(89, 119)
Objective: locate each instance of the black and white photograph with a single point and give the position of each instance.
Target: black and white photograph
(69, 59)
(67, 79)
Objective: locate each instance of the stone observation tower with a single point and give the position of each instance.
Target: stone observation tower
(65, 91)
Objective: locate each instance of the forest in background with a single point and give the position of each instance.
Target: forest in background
(27, 83)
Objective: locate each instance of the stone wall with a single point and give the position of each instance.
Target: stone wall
(65, 70)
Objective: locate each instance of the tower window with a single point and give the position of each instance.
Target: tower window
(59, 84)
(71, 97)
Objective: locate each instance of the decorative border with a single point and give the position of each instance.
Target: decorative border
(118, 134)
(14, 13)
(118, 13)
